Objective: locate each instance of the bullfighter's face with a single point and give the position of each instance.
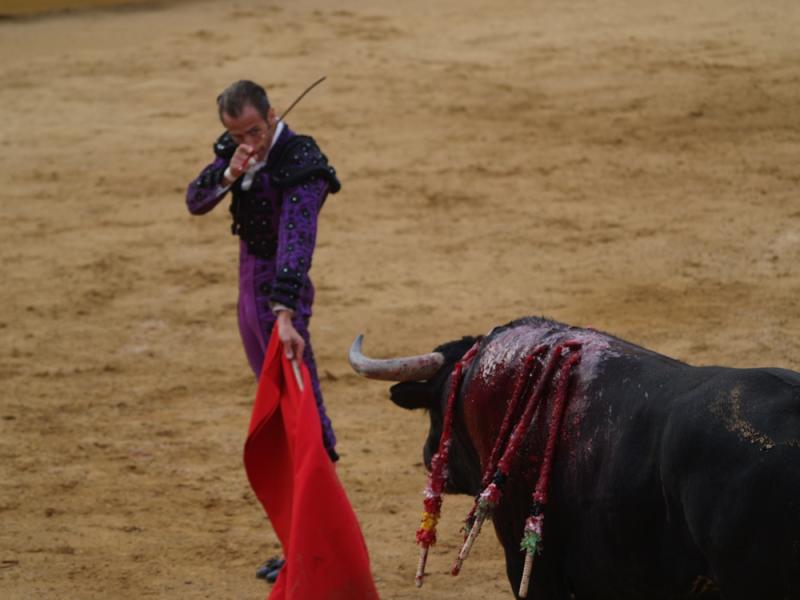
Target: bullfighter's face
(250, 128)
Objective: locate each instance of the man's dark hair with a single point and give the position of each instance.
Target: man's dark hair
(238, 95)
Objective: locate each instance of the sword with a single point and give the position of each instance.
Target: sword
(295, 366)
(301, 96)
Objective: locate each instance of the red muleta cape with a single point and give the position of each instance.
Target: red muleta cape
(293, 478)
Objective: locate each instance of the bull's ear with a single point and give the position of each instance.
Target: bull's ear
(412, 394)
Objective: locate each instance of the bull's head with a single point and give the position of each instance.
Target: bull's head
(423, 384)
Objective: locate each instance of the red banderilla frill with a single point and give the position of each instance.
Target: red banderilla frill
(426, 534)
(498, 470)
(534, 525)
(490, 498)
(493, 479)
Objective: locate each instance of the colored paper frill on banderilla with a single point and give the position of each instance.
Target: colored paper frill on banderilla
(295, 481)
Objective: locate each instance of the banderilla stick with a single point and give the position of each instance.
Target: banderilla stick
(473, 534)
(526, 575)
(423, 558)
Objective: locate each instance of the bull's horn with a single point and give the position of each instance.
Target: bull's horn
(408, 368)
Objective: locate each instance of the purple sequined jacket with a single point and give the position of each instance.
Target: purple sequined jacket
(276, 218)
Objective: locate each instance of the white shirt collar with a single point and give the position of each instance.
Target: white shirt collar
(278, 130)
(275, 136)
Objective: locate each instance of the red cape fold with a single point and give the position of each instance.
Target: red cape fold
(293, 478)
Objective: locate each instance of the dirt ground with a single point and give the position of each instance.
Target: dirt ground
(630, 166)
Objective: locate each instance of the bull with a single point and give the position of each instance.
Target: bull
(669, 480)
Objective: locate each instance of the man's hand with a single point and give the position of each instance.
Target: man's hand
(293, 343)
(238, 164)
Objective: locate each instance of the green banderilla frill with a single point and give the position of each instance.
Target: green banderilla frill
(532, 545)
(530, 542)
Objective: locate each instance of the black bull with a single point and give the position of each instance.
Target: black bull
(669, 480)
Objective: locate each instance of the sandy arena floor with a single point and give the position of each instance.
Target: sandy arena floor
(631, 166)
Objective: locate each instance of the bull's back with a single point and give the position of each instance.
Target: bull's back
(731, 471)
(677, 476)
(608, 505)
(667, 476)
